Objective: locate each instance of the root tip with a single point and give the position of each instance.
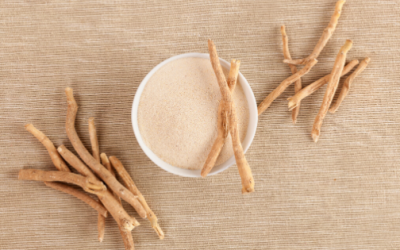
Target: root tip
(315, 135)
(203, 174)
(248, 189)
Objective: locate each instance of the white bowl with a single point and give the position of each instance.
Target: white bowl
(251, 130)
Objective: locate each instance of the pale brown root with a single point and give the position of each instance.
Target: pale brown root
(283, 85)
(233, 74)
(117, 211)
(99, 169)
(126, 236)
(222, 122)
(293, 68)
(244, 169)
(93, 139)
(128, 240)
(101, 221)
(331, 89)
(222, 83)
(347, 84)
(109, 201)
(116, 199)
(101, 224)
(126, 178)
(88, 184)
(311, 88)
(55, 157)
(241, 162)
(326, 35)
(60, 165)
(80, 195)
(119, 206)
(295, 111)
(75, 162)
(219, 141)
(106, 163)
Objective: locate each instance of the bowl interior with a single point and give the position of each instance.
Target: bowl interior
(251, 130)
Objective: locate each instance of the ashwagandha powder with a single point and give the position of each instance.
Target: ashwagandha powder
(177, 113)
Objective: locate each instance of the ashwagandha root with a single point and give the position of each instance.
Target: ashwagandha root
(106, 163)
(111, 202)
(233, 74)
(80, 195)
(241, 162)
(88, 184)
(222, 122)
(311, 88)
(282, 87)
(219, 142)
(120, 169)
(127, 239)
(60, 165)
(331, 89)
(326, 35)
(293, 68)
(105, 160)
(51, 149)
(116, 210)
(101, 225)
(347, 83)
(126, 236)
(101, 220)
(75, 162)
(99, 169)
(93, 139)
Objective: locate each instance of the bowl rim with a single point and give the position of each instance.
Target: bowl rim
(251, 129)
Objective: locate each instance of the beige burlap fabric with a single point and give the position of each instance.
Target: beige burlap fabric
(342, 193)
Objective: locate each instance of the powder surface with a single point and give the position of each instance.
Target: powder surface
(177, 114)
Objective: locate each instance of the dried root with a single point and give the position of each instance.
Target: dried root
(328, 32)
(55, 157)
(331, 89)
(347, 84)
(132, 187)
(101, 221)
(99, 169)
(93, 139)
(293, 68)
(241, 162)
(233, 74)
(110, 200)
(279, 90)
(295, 100)
(222, 122)
(75, 162)
(88, 184)
(222, 133)
(126, 236)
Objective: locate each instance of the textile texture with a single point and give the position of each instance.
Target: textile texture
(341, 193)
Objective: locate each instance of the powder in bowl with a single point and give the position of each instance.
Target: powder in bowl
(177, 113)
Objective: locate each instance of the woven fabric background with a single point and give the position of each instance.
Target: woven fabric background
(342, 193)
